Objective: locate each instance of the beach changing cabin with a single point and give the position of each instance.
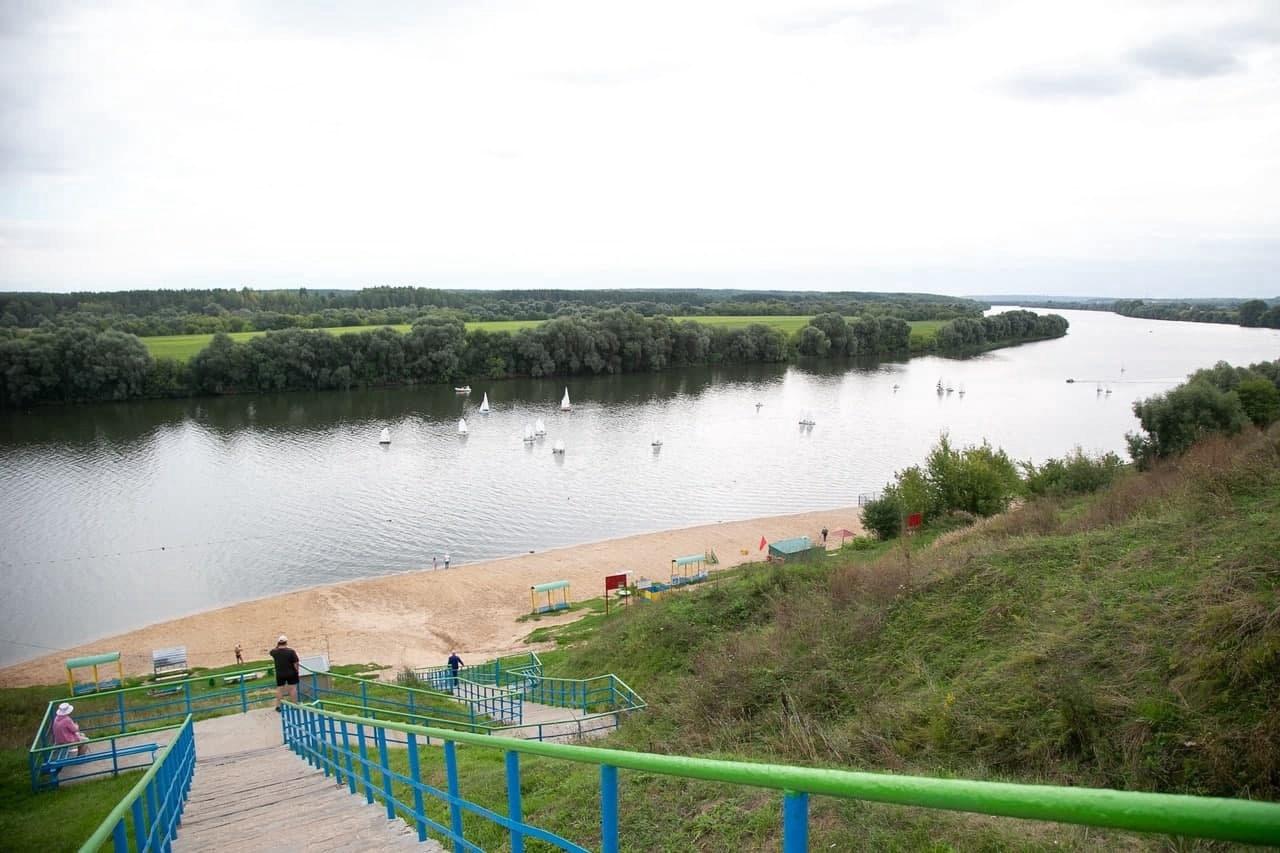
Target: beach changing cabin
(799, 548)
(549, 597)
(103, 678)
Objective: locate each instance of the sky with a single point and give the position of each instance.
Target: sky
(1086, 148)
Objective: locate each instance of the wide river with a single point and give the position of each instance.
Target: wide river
(115, 516)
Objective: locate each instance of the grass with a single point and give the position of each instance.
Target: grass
(183, 347)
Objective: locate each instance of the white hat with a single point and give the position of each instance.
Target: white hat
(65, 709)
(282, 639)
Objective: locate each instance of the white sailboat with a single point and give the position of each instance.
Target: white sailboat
(656, 443)
(806, 419)
(565, 405)
(484, 404)
(539, 428)
(528, 433)
(385, 438)
(558, 448)
(462, 426)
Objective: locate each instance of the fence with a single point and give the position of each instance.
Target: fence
(355, 751)
(153, 808)
(471, 704)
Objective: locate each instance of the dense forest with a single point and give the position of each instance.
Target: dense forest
(192, 312)
(77, 363)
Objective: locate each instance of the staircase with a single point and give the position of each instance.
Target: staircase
(269, 799)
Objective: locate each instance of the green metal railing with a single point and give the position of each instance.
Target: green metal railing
(313, 732)
(153, 807)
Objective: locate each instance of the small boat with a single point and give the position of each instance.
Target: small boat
(385, 438)
(465, 389)
(462, 426)
(1107, 392)
(940, 389)
(950, 389)
(758, 406)
(484, 404)
(558, 448)
(528, 433)
(961, 390)
(895, 387)
(1099, 391)
(656, 443)
(539, 428)
(565, 405)
(806, 419)
(1070, 381)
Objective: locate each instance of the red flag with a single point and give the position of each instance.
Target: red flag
(762, 543)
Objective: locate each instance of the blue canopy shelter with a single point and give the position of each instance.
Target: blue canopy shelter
(799, 548)
(556, 596)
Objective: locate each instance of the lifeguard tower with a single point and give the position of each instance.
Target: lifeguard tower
(94, 662)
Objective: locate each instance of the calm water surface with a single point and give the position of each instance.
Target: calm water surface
(115, 516)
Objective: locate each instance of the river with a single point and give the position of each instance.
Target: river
(118, 515)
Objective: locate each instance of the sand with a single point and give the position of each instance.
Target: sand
(416, 618)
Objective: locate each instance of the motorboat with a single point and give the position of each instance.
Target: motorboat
(385, 438)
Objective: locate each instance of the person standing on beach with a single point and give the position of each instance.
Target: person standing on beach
(239, 654)
(286, 661)
(454, 663)
(446, 560)
(824, 536)
(435, 563)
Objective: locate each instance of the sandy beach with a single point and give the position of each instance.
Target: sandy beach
(415, 618)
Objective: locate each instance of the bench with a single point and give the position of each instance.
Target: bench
(66, 757)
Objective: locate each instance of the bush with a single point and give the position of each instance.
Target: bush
(883, 516)
(1260, 400)
(1076, 474)
(1176, 420)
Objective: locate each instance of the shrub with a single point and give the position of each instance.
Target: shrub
(883, 516)
(1260, 400)
(1076, 474)
(1176, 420)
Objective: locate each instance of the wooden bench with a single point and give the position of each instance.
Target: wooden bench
(66, 757)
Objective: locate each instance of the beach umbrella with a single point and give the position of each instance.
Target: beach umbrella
(842, 533)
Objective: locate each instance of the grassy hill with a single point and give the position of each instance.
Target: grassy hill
(1130, 639)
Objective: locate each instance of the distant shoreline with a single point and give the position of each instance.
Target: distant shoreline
(417, 617)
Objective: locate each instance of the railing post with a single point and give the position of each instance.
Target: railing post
(416, 776)
(411, 708)
(332, 751)
(514, 811)
(364, 764)
(364, 697)
(186, 690)
(608, 808)
(380, 734)
(119, 841)
(795, 822)
(244, 696)
(346, 751)
(120, 705)
(140, 833)
(451, 774)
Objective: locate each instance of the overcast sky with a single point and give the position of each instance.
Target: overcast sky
(1079, 147)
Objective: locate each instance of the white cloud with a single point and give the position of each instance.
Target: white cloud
(281, 144)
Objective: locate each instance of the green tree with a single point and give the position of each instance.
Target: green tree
(1251, 312)
(1175, 420)
(813, 341)
(1260, 400)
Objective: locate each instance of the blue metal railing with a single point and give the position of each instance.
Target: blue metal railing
(46, 763)
(468, 705)
(153, 808)
(354, 751)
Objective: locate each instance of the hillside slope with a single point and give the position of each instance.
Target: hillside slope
(1130, 639)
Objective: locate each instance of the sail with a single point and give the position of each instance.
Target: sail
(462, 426)
(484, 404)
(559, 447)
(565, 405)
(540, 428)
(385, 438)
(528, 432)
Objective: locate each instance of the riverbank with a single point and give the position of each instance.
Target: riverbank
(416, 618)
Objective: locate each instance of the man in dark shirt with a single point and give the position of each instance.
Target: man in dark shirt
(286, 660)
(454, 663)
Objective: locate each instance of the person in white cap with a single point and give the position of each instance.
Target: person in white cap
(286, 660)
(65, 729)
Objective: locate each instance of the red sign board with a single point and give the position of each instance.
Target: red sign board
(914, 520)
(615, 581)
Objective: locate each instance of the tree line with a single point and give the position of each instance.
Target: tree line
(63, 364)
(1251, 313)
(190, 312)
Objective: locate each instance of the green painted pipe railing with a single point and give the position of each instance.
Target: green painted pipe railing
(1244, 821)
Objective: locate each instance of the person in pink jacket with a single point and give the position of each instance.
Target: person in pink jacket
(65, 729)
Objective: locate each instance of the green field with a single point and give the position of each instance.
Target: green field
(183, 347)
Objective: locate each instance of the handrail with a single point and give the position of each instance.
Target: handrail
(1244, 821)
(117, 814)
